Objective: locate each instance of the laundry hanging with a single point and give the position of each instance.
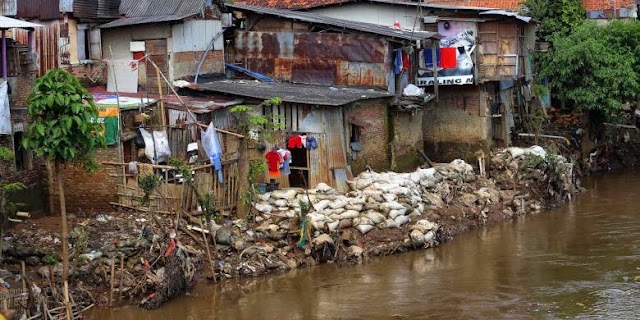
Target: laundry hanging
(428, 57)
(212, 147)
(295, 142)
(398, 61)
(285, 154)
(448, 58)
(274, 160)
(406, 62)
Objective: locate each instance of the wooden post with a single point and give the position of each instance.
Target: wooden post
(67, 303)
(434, 60)
(161, 100)
(121, 278)
(113, 273)
(206, 245)
(4, 54)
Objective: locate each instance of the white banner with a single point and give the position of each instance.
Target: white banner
(443, 81)
(5, 114)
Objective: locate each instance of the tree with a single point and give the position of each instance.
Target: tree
(556, 17)
(63, 129)
(596, 67)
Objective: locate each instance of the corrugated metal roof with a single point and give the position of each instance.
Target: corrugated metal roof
(142, 20)
(340, 23)
(309, 4)
(506, 14)
(39, 9)
(7, 23)
(147, 8)
(294, 93)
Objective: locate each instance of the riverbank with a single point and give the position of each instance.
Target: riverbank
(122, 257)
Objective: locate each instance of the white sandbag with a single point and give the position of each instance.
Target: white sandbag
(364, 228)
(375, 217)
(321, 205)
(401, 220)
(349, 214)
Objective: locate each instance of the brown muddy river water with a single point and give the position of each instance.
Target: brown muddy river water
(581, 260)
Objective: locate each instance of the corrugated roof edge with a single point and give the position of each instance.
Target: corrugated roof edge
(345, 24)
(507, 14)
(123, 22)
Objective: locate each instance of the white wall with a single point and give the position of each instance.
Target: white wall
(119, 38)
(196, 35)
(376, 13)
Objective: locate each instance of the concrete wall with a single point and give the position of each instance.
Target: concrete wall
(185, 64)
(458, 126)
(372, 117)
(407, 140)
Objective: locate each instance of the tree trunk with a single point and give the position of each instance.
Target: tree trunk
(65, 228)
(243, 182)
(50, 185)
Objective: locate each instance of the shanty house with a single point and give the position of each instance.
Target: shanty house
(181, 37)
(338, 83)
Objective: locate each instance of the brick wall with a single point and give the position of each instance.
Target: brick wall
(185, 64)
(91, 191)
(372, 119)
(91, 74)
(457, 126)
(407, 140)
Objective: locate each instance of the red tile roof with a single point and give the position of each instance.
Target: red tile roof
(590, 5)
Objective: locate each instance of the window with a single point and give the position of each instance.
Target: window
(88, 43)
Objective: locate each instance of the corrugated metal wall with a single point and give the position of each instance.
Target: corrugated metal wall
(47, 44)
(85, 9)
(315, 58)
(9, 7)
(39, 9)
(196, 35)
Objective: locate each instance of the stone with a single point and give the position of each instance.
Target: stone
(239, 245)
(375, 217)
(284, 194)
(417, 237)
(345, 223)
(263, 207)
(355, 251)
(364, 228)
(224, 236)
(32, 261)
(429, 236)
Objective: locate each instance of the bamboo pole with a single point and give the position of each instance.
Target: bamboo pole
(163, 119)
(121, 277)
(113, 272)
(206, 243)
(66, 300)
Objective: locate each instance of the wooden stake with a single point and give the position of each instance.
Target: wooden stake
(121, 277)
(161, 100)
(66, 300)
(206, 244)
(113, 273)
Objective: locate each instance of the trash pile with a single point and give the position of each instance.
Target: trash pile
(143, 254)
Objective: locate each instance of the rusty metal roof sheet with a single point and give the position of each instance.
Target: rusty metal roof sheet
(435, 4)
(294, 93)
(142, 20)
(340, 23)
(147, 8)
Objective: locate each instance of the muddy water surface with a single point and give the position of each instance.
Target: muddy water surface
(581, 260)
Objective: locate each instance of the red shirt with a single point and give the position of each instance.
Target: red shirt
(273, 160)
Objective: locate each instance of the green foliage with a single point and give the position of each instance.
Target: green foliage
(531, 161)
(250, 123)
(557, 17)
(257, 168)
(207, 201)
(63, 120)
(6, 154)
(51, 260)
(597, 68)
(79, 239)
(148, 183)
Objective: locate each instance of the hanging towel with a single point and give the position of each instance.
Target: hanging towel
(397, 63)
(428, 57)
(406, 62)
(448, 58)
(212, 147)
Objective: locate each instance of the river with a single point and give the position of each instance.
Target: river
(581, 260)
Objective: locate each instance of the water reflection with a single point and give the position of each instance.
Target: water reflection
(578, 261)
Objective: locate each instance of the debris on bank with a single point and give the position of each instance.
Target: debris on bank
(149, 258)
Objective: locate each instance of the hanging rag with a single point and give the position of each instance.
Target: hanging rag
(212, 147)
(295, 142)
(285, 154)
(274, 161)
(448, 58)
(428, 57)
(312, 143)
(406, 62)
(397, 63)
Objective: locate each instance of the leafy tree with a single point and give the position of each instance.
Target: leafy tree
(63, 130)
(596, 67)
(556, 17)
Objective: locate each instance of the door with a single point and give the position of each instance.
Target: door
(157, 52)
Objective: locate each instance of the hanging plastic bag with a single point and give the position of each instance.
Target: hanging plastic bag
(156, 146)
(213, 149)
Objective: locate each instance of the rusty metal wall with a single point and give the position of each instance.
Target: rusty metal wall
(85, 9)
(47, 44)
(39, 9)
(315, 58)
